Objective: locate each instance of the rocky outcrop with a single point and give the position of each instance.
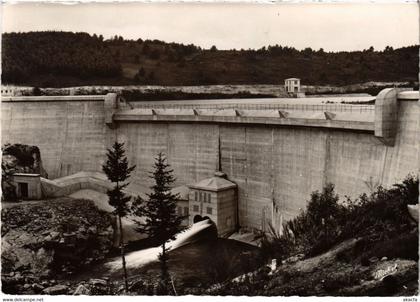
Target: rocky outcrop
(18, 158)
(51, 238)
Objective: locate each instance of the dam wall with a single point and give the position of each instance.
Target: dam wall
(276, 155)
(69, 131)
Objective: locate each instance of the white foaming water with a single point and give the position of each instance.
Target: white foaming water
(142, 257)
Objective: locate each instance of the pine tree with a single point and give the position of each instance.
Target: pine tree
(161, 221)
(118, 171)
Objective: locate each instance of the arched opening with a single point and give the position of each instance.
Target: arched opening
(197, 218)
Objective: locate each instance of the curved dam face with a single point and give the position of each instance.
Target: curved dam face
(277, 154)
(70, 132)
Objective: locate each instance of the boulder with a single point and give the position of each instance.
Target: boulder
(373, 259)
(81, 290)
(98, 282)
(24, 258)
(56, 290)
(37, 288)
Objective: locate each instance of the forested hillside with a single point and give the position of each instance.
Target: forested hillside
(27, 56)
(57, 59)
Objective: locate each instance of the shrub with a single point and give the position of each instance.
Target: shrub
(222, 266)
(402, 246)
(273, 245)
(36, 91)
(383, 214)
(318, 227)
(378, 217)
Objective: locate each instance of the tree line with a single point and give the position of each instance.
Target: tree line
(65, 58)
(28, 55)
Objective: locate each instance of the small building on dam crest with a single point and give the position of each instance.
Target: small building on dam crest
(215, 198)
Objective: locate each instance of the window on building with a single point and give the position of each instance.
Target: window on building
(196, 195)
(185, 211)
(200, 197)
(179, 211)
(209, 198)
(209, 211)
(195, 208)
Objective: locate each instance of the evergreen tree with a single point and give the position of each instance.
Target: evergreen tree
(118, 171)
(161, 221)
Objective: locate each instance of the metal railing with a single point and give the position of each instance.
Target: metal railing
(264, 106)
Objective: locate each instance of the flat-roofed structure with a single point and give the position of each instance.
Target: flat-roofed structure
(28, 186)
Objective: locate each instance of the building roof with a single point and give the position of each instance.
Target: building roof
(27, 174)
(292, 79)
(183, 192)
(215, 183)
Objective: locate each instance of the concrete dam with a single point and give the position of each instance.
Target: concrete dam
(277, 151)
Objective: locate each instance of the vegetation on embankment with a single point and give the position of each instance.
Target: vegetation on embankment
(382, 215)
(363, 247)
(58, 59)
(341, 249)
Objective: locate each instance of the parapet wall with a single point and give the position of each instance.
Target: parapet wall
(276, 155)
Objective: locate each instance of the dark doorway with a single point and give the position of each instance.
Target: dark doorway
(197, 218)
(23, 189)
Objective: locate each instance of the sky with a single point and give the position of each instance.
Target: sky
(331, 26)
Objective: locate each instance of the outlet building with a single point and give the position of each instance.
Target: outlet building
(216, 199)
(183, 203)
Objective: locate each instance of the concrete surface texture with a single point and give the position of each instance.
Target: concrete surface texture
(65, 186)
(276, 166)
(70, 134)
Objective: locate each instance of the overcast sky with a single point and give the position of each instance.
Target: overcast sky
(330, 26)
